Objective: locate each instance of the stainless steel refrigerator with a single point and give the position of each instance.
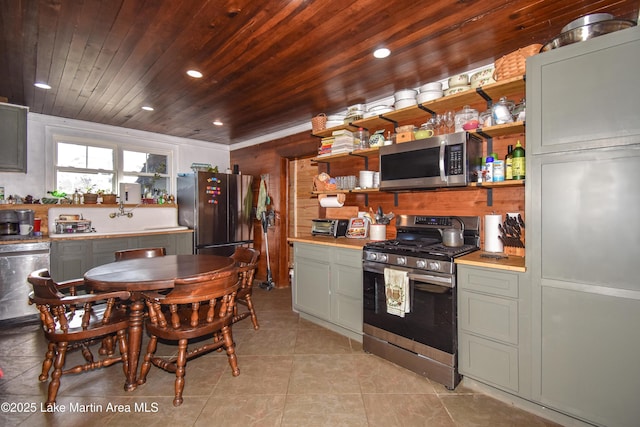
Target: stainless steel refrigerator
(219, 207)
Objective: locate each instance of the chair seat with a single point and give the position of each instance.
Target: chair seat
(119, 320)
(185, 329)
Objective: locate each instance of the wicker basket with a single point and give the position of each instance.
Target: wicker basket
(513, 64)
(319, 123)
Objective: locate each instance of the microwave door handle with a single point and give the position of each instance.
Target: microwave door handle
(443, 175)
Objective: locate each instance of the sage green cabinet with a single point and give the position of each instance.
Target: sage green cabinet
(327, 287)
(489, 327)
(13, 143)
(70, 259)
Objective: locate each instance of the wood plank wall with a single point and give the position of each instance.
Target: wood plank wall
(290, 156)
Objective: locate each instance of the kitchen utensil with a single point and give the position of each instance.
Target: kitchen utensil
(453, 237)
(587, 32)
(587, 20)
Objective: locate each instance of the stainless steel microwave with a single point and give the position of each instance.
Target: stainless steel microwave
(329, 227)
(451, 160)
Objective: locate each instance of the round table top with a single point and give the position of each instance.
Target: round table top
(143, 274)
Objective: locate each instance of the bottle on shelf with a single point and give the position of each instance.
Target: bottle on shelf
(518, 164)
(508, 162)
(361, 139)
(488, 172)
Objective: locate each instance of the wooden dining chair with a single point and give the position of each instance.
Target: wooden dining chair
(247, 262)
(76, 321)
(139, 253)
(200, 306)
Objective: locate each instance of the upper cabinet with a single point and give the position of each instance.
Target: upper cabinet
(585, 95)
(13, 138)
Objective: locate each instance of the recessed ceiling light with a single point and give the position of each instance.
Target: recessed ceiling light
(217, 123)
(195, 74)
(42, 85)
(147, 108)
(383, 52)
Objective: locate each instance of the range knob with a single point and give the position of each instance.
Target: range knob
(421, 263)
(434, 265)
(372, 256)
(401, 260)
(382, 257)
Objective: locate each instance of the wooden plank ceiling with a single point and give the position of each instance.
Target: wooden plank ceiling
(268, 65)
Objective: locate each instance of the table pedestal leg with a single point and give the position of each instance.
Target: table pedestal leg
(135, 342)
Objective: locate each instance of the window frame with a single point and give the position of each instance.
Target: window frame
(118, 148)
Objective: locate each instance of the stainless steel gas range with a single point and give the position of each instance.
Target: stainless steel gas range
(410, 310)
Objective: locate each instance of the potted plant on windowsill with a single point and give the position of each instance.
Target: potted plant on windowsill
(89, 197)
(108, 198)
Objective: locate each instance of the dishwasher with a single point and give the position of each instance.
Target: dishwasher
(17, 261)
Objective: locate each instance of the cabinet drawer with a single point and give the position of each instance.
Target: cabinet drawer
(314, 252)
(488, 281)
(489, 316)
(488, 361)
(350, 257)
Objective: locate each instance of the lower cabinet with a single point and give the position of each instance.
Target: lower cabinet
(70, 259)
(327, 287)
(489, 336)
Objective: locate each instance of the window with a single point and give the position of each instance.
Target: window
(147, 169)
(93, 167)
(84, 168)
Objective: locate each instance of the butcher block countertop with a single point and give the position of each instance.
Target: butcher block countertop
(341, 242)
(512, 263)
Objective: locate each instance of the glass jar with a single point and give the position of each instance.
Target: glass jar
(501, 111)
(466, 116)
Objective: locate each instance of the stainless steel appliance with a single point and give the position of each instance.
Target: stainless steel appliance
(329, 227)
(17, 260)
(219, 207)
(423, 339)
(441, 161)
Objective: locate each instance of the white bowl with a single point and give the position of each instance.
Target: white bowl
(487, 73)
(459, 80)
(482, 82)
(433, 86)
(456, 89)
(405, 94)
(429, 96)
(404, 103)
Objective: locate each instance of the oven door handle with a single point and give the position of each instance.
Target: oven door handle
(427, 278)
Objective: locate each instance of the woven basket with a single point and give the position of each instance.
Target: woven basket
(514, 63)
(319, 123)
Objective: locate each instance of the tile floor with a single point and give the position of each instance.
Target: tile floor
(293, 373)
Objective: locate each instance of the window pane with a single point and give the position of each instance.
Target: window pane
(72, 155)
(149, 184)
(134, 161)
(100, 158)
(70, 181)
(144, 162)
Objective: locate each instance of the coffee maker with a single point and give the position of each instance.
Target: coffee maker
(9, 223)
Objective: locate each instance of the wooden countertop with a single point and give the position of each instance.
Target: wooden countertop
(85, 236)
(341, 242)
(511, 263)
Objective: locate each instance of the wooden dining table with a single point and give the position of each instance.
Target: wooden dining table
(147, 274)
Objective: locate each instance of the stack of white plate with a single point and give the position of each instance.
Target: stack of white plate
(378, 110)
(405, 98)
(457, 84)
(429, 92)
(335, 120)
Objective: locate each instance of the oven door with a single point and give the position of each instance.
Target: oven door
(432, 316)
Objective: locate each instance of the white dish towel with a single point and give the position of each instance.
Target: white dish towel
(396, 289)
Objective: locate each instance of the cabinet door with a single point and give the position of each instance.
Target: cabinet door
(585, 95)
(69, 259)
(311, 280)
(13, 143)
(346, 289)
(489, 316)
(103, 250)
(167, 241)
(184, 243)
(488, 361)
